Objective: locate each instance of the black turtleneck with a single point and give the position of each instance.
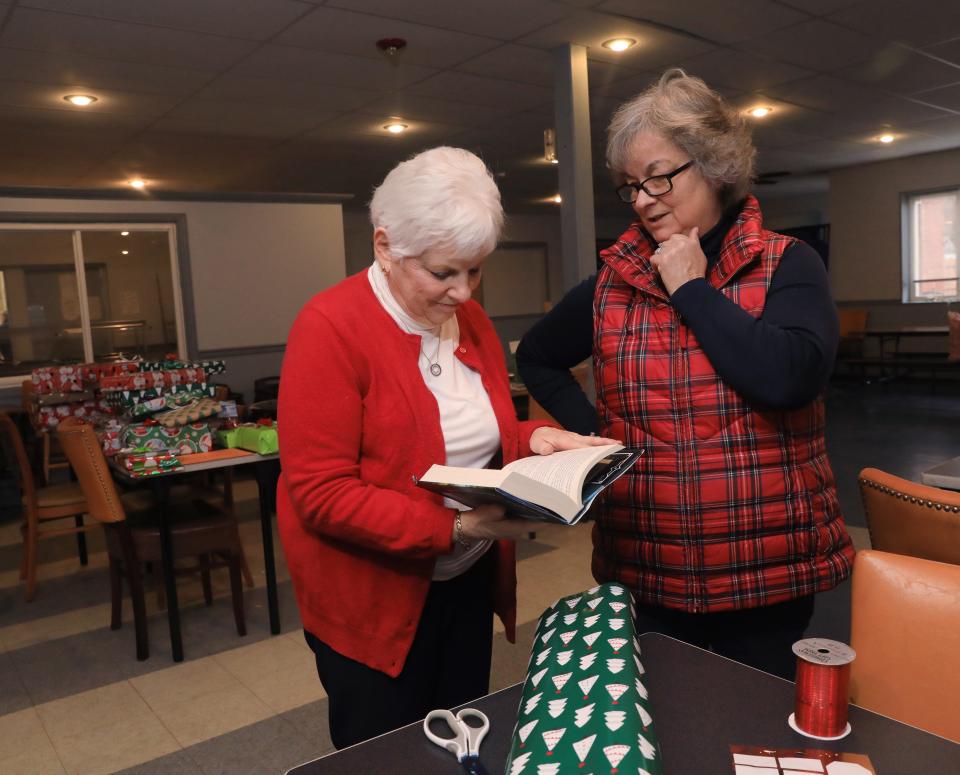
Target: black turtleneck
(780, 360)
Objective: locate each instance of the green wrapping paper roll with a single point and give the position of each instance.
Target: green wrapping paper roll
(585, 708)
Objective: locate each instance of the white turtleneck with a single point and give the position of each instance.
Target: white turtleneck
(469, 425)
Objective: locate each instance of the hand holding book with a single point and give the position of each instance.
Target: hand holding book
(547, 440)
(489, 522)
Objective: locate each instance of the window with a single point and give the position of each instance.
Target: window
(91, 292)
(931, 239)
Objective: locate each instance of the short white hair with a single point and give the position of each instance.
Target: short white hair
(444, 198)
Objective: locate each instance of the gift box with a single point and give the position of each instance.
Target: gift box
(228, 438)
(111, 437)
(145, 462)
(49, 417)
(57, 379)
(209, 367)
(94, 372)
(193, 412)
(261, 438)
(585, 707)
(185, 439)
(139, 403)
(152, 379)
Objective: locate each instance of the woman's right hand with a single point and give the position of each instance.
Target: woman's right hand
(490, 522)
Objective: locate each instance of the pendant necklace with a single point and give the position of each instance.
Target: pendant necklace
(435, 367)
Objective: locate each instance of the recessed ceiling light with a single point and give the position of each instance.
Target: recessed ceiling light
(137, 183)
(556, 199)
(760, 111)
(554, 160)
(124, 233)
(619, 44)
(125, 252)
(80, 100)
(886, 138)
(395, 127)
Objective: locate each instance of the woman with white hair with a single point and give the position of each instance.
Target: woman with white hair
(388, 372)
(713, 339)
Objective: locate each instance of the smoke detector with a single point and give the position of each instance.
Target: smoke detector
(391, 47)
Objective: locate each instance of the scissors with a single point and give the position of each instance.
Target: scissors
(465, 743)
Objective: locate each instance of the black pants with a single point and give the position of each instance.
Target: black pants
(448, 664)
(759, 637)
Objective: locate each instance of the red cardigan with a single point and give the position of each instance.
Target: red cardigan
(356, 424)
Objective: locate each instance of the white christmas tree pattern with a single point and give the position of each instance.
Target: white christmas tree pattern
(615, 754)
(566, 637)
(517, 765)
(551, 618)
(564, 656)
(587, 660)
(615, 590)
(636, 645)
(542, 656)
(532, 703)
(593, 590)
(594, 603)
(524, 732)
(582, 747)
(640, 668)
(645, 717)
(587, 684)
(614, 719)
(616, 691)
(560, 680)
(589, 621)
(550, 768)
(573, 603)
(536, 678)
(641, 689)
(555, 707)
(615, 665)
(584, 714)
(589, 639)
(646, 747)
(570, 619)
(551, 737)
(641, 771)
(615, 624)
(547, 635)
(616, 644)
(617, 606)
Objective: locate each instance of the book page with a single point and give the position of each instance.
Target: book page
(564, 471)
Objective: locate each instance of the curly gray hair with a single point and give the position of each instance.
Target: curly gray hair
(688, 113)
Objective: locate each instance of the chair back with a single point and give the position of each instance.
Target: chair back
(904, 629)
(83, 450)
(909, 518)
(28, 486)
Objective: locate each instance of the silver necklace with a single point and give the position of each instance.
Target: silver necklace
(435, 367)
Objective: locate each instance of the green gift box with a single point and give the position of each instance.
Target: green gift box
(227, 437)
(184, 440)
(585, 707)
(261, 439)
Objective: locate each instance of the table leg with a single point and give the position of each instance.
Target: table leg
(266, 477)
(161, 488)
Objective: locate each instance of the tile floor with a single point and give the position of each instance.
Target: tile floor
(73, 698)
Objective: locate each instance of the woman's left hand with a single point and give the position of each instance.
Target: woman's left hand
(547, 440)
(680, 259)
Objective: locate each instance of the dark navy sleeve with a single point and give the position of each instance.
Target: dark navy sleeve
(554, 344)
(782, 359)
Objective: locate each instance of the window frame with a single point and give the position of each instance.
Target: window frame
(907, 240)
(168, 225)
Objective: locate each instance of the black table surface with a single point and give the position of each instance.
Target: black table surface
(702, 704)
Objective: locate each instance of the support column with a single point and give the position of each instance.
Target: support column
(572, 117)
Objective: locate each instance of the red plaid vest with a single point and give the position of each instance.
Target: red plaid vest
(733, 505)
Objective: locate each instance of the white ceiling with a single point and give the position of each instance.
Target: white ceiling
(291, 95)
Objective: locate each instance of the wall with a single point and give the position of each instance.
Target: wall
(252, 266)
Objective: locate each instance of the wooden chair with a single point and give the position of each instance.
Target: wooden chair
(131, 542)
(41, 506)
(52, 456)
(909, 518)
(904, 629)
(852, 323)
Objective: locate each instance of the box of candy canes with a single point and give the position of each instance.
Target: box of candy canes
(585, 707)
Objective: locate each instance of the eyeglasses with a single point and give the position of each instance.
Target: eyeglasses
(656, 185)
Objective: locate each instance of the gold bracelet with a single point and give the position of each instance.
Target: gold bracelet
(460, 539)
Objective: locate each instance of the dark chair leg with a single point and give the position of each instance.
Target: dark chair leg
(135, 580)
(205, 578)
(81, 540)
(236, 592)
(116, 594)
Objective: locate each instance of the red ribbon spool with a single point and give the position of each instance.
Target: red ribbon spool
(823, 677)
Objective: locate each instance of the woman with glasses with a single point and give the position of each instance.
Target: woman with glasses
(388, 372)
(712, 340)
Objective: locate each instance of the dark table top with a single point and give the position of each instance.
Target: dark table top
(702, 704)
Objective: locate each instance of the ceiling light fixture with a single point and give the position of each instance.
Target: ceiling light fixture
(137, 183)
(395, 127)
(619, 44)
(391, 48)
(124, 233)
(80, 100)
(556, 199)
(125, 252)
(886, 138)
(760, 111)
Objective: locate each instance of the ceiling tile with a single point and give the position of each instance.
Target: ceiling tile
(655, 46)
(898, 69)
(94, 73)
(717, 22)
(452, 85)
(142, 107)
(817, 45)
(950, 51)
(819, 7)
(404, 104)
(241, 118)
(947, 97)
(513, 63)
(252, 19)
(45, 31)
(738, 69)
(345, 32)
(287, 91)
(920, 22)
(299, 64)
(501, 19)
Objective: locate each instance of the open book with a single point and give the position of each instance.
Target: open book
(556, 488)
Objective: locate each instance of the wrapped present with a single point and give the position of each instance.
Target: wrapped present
(94, 372)
(111, 437)
(49, 399)
(184, 439)
(228, 438)
(49, 417)
(57, 379)
(209, 367)
(260, 437)
(585, 707)
(146, 462)
(198, 410)
(139, 403)
(153, 379)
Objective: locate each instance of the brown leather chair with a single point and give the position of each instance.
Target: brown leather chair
(909, 518)
(41, 506)
(905, 628)
(135, 541)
